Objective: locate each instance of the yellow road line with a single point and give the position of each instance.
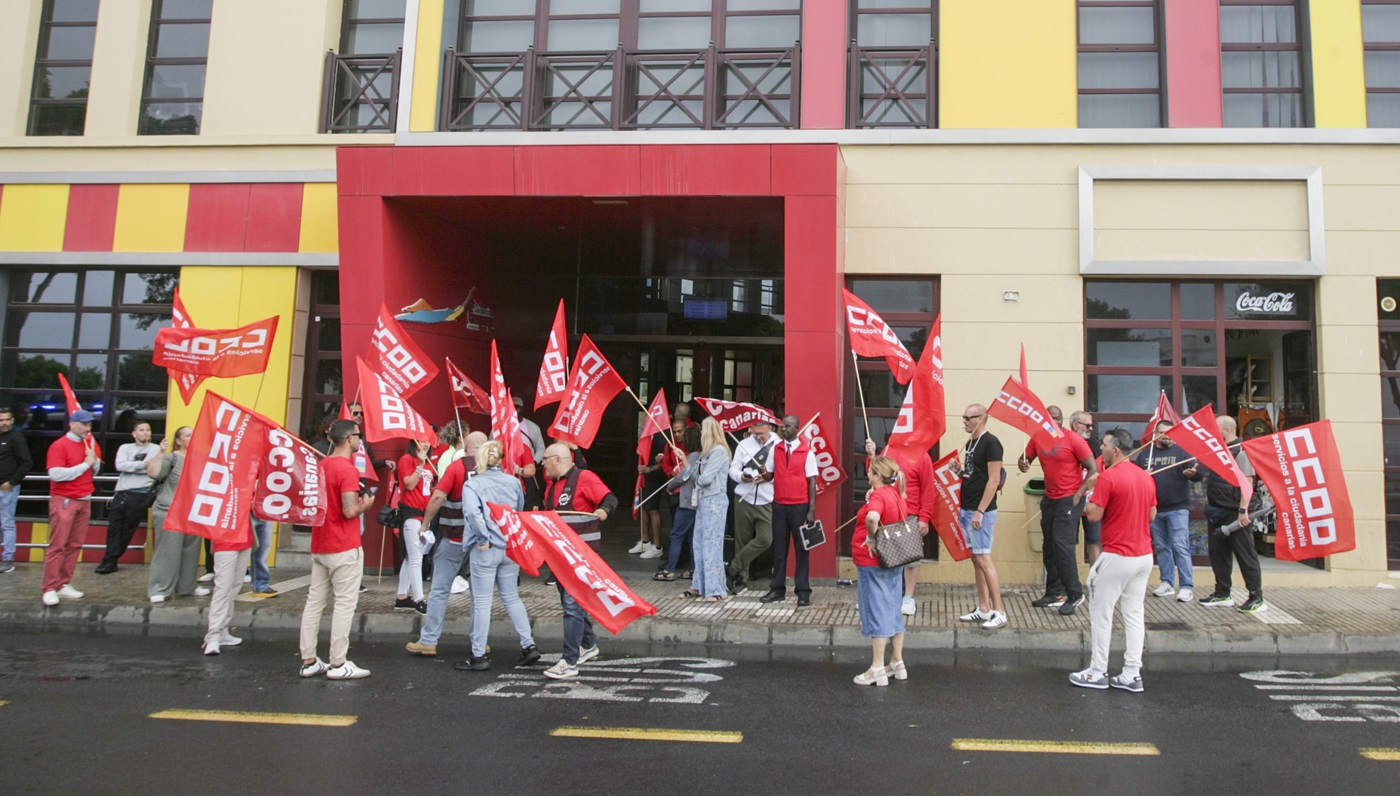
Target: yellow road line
(644, 734)
(1053, 747)
(1379, 753)
(3, 703)
(245, 717)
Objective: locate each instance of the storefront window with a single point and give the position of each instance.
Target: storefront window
(1388, 291)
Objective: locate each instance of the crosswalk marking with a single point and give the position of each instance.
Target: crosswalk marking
(1054, 747)
(645, 734)
(1380, 753)
(247, 717)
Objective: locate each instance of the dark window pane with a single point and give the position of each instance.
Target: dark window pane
(329, 339)
(1131, 395)
(1197, 301)
(1383, 68)
(1128, 301)
(97, 288)
(39, 371)
(94, 330)
(91, 373)
(894, 30)
(175, 81)
(895, 295)
(1380, 24)
(497, 37)
(757, 32)
(62, 82)
(53, 330)
(1198, 348)
(374, 39)
(1116, 26)
(1258, 25)
(58, 119)
(1200, 390)
(1118, 70)
(328, 377)
(673, 33)
(1135, 348)
(138, 330)
(1390, 404)
(1120, 110)
(171, 118)
(74, 10)
(70, 44)
(375, 9)
(135, 372)
(38, 287)
(1391, 432)
(156, 288)
(186, 9)
(182, 41)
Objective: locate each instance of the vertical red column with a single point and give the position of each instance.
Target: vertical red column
(823, 66)
(1194, 97)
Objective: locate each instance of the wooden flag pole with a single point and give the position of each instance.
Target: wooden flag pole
(665, 432)
(860, 389)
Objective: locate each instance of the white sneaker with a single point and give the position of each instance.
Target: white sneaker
(587, 655)
(50, 598)
(200, 591)
(157, 598)
(229, 640)
(975, 616)
(346, 671)
(907, 606)
(247, 578)
(998, 620)
(639, 547)
(206, 577)
(314, 668)
(211, 648)
(1164, 589)
(652, 551)
(1185, 595)
(69, 593)
(561, 670)
(1089, 679)
(460, 584)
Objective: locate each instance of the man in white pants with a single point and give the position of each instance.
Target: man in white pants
(230, 559)
(1125, 503)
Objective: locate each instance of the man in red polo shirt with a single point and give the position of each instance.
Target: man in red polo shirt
(337, 559)
(72, 460)
(794, 471)
(1125, 503)
(1065, 463)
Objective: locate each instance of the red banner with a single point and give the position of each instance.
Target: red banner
(68, 396)
(1303, 471)
(505, 423)
(289, 486)
(520, 543)
(387, 414)
(734, 417)
(187, 383)
(658, 419)
(872, 337)
(402, 363)
(947, 483)
(554, 370)
(924, 416)
(1017, 406)
(223, 353)
(1199, 435)
(593, 383)
(1164, 411)
(582, 572)
(467, 394)
(829, 472)
(215, 493)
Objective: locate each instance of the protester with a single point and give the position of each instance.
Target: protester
(1225, 503)
(134, 493)
(175, 562)
(451, 435)
(753, 517)
(489, 564)
(450, 557)
(712, 507)
(674, 462)
(1124, 502)
(230, 559)
(1065, 463)
(683, 519)
(916, 477)
(794, 474)
(260, 575)
(1082, 423)
(337, 559)
(357, 413)
(72, 460)
(880, 590)
(15, 463)
(1168, 465)
(530, 429)
(981, 479)
(415, 476)
(653, 479)
(587, 502)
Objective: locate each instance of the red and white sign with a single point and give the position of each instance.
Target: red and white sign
(1303, 471)
(1017, 406)
(593, 384)
(402, 363)
(734, 417)
(505, 423)
(924, 416)
(387, 414)
(520, 543)
(467, 394)
(658, 418)
(223, 353)
(947, 523)
(554, 370)
(289, 485)
(1164, 411)
(187, 383)
(829, 472)
(1199, 435)
(872, 337)
(215, 493)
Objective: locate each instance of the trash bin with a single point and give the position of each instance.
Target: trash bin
(1035, 490)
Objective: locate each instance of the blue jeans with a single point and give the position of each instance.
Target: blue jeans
(262, 545)
(8, 501)
(681, 528)
(491, 567)
(578, 628)
(1171, 542)
(447, 562)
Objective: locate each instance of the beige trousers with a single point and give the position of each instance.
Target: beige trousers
(334, 576)
(228, 580)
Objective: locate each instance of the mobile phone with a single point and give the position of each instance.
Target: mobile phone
(371, 490)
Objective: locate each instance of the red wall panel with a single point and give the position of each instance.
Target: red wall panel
(1193, 63)
(92, 218)
(217, 220)
(577, 171)
(274, 217)
(824, 42)
(454, 171)
(741, 170)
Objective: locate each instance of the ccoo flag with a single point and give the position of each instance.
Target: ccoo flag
(1303, 471)
(593, 383)
(924, 417)
(554, 370)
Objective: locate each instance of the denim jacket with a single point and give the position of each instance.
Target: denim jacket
(492, 486)
(713, 475)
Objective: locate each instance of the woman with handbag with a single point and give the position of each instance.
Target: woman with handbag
(712, 504)
(175, 563)
(415, 477)
(880, 589)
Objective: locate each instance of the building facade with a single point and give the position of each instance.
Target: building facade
(1181, 195)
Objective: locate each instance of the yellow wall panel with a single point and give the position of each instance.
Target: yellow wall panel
(151, 218)
(1338, 63)
(1007, 64)
(32, 218)
(427, 64)
(320, 228)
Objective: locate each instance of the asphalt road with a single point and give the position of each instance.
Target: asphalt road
(76, 715)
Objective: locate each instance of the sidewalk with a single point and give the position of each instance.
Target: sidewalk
(1299, 621)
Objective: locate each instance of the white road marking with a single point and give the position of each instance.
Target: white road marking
(659, 680)
(1320, 700)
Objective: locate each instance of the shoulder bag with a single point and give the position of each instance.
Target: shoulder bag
(898, 544)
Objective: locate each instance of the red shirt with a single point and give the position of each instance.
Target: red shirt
(1063, 471)
(417, 497)
(1127, 494)
(590, 495)
(339, 533)
(891, 507)
(66, 452)
(919, 491)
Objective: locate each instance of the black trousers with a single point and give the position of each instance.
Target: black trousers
(125, 512)
(1059, 523)
(1240, 545)
(786, 520)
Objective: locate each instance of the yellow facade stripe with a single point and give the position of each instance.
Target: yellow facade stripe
(320, 227)
(33, 217)
(248, 717)
(151, 218)
(645, 734)
(427, 67)
(1054, 747)
(1338, 63)
(1381, 753)
(999, 75)
(38, 534)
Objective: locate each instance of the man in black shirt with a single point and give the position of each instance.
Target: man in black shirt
(981, 479)
(15, 462)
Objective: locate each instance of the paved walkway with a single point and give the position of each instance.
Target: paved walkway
(1307, 621)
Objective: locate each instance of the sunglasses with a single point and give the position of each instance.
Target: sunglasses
(970, 418)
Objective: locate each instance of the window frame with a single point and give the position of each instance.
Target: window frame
(1377, 46)
(1300, 45)
(1388, 326)
(1157, 47)
(348, 24)
(153, 61)
(857, 117)
(42, 62)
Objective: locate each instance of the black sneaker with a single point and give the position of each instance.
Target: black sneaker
(105, 568)
(528, 656)
(1068, 608)
(405, 603)
(551, 580)
(473, 664)
(1218, 599)
(1048, 601)
(421, 606)
(1254, 605)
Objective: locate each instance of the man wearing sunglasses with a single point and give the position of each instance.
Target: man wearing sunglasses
(1082, 423)
(1066, 464)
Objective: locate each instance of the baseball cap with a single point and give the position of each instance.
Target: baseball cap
(518, 401)
(81, 416)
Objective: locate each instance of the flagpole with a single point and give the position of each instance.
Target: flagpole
(860, 388)
(665, 433)
(1183, 462)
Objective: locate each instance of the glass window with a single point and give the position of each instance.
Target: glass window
(1120, 64)
(1142, 347)
(895, 295)
(172, 101)
(62, 67)
(1125, 301)
(1261, 63)
(1380, 30)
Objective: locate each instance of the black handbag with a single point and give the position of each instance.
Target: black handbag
(391, 516)
(899, 544)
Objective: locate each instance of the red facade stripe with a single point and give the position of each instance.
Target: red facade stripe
(738, 170)
(92, 218)
(217, 220)
(274, 217)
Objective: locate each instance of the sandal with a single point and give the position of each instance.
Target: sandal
(716, 599)
(664, 575)
(690, 594)
(686, 573)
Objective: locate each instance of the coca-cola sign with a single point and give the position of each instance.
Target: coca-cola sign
(1276, 303)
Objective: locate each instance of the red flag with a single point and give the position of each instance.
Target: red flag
(658, 418)
(215, 493)
(505, 423)
(1303, 471)
(520, 543)
(360, 458)
(1017, 406)
(829, 472)
(223, 353)
(387, 414)
(187, 383)
(734, 417)
(582, 572)
(1199, 435)
(289, 486)
(68, 395)
(947, 483)
(402, 363)
(1024, 381)
(554, 370)
(467, 394)
(924, 416)
(593, 383)
(1164, 411)
(872, 337)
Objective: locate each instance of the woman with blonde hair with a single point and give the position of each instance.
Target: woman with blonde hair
(879, 591)
(175, 563)
(712, 504)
